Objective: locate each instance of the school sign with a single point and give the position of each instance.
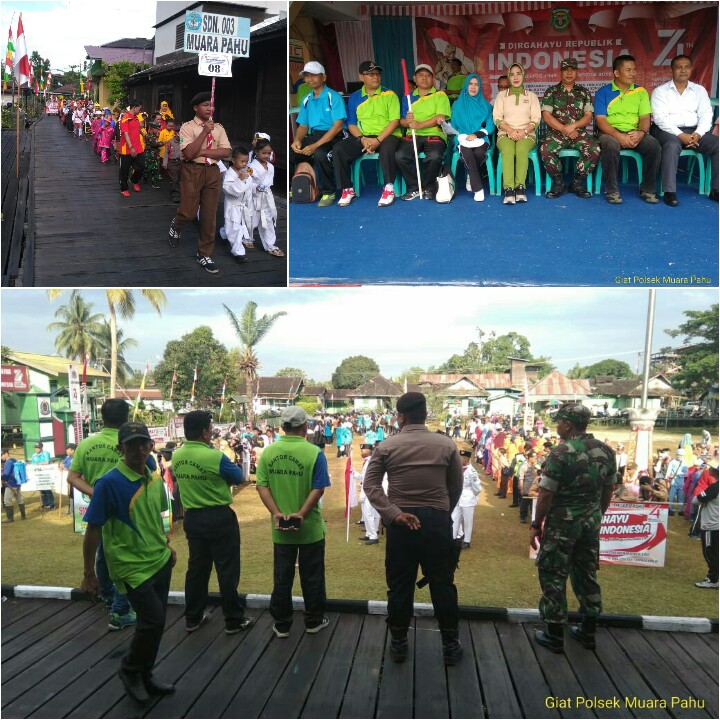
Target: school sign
(210, 33)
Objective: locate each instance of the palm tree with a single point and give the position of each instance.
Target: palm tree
(124, 371)
(79, 328)
(250, 331)
(122, 302)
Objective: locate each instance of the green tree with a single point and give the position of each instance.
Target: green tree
(699, 361)
(250, 330)
(198, 348)
(410, 375)
(116, 77)
(40, 66)
(291, 372)
(78, 328)
(615, 368)
(354, 371)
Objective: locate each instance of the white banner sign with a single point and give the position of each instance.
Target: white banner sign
(42, 477)
(217, 64)
(74, 388)
(210, 33)
(159, 434)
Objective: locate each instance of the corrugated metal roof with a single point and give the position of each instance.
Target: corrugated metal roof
(377, 387)
(51, 364)
(558, 384)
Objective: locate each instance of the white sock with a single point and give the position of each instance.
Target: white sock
(390, 186)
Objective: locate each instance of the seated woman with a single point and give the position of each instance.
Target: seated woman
(516, 114)
(472, 118)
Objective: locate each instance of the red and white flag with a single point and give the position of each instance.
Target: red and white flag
(351, 499)
(22, 63)
(172, 383)
(192, 391)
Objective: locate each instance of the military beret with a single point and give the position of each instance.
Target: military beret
(201, 97)
(575, 413)
(410, 401)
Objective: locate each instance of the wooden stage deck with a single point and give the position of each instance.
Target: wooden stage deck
(59, 660)
(88, 235)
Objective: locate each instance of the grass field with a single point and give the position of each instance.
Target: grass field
(495, 571)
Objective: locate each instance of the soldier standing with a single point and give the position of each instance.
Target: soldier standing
(575, 490)
(567, 109)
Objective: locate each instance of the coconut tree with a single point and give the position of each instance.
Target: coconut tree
(124, 371)
(122, 302)
(79, 328)
(250, 330)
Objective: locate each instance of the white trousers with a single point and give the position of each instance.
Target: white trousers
(462, 519)
(372, 520)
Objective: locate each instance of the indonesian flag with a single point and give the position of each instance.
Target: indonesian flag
(192, 391)
(47, 83)
(142, 388)
(351, 500)
(22, 64)
(172, 384)
(9, 58)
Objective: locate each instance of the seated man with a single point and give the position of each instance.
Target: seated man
(622, 117)
(319, 127)
(374, 127)
(683, 118)
(567, 110)
(429, 108)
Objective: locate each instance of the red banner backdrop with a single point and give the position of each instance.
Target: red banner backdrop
(488, 37)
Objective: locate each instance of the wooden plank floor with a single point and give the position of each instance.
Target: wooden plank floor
(87, 234)
(59, 660)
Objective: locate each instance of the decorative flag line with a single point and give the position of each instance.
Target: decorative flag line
(9, 58)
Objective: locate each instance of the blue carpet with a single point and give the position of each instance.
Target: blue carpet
(567, 241)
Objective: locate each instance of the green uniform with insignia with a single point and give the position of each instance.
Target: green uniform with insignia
(576, 472)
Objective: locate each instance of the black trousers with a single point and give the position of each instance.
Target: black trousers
(311, 564)
(671, 149)
(351, 149)
(149, 600)
(431, 548)
(430, 167)
(321, 160)
(213, 536)
(710, 552)
(525, 507)
(474, 159)
(131, 168)
(516, 490)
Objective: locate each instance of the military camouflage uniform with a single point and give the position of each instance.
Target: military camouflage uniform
(576, 472)
(568, 107)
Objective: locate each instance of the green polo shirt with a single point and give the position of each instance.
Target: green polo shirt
(197, 469)
(455, 85)
(96, 455)
(435, 102)
(372, 113)
(291, 468)
(622, 110)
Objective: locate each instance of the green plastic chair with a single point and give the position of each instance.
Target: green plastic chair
(625, 155)
(568, 153)
(488, 163)
(693, 157)
(357, 174)
(534, 159)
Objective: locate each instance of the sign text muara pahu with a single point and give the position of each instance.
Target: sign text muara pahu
(207, 32)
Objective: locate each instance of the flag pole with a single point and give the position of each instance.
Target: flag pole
(409, 100)
(17, 133)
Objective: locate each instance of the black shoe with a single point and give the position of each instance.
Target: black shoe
(155, 687)
(410, 195)
(428, 195)
(173, 235)
(193, 626)
(232, 627)
(713, 195)
(551, 638)
(452, 649)
(398, 645)
(372, 542)
(363, 537)
(579, 187)
(671, 199)
(556, 189)
(587, 640)
(134, 686)
(520, 195)
(206, 263)
(465, 545)
(240, 259)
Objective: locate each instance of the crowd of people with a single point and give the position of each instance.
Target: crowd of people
(152, 147)
(435, 122)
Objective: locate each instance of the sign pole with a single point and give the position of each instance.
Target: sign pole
(17, 135)
(212, 98)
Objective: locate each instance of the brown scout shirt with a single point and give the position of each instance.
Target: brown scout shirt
(424, 470)
(192, 128)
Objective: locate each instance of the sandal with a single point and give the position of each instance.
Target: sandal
(248, 244)
(277, 252)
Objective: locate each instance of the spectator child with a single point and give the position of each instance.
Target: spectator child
(265, 212)
(238, 189)
(171, 158)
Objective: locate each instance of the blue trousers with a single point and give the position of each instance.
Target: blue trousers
(120, 603)
(676, 494)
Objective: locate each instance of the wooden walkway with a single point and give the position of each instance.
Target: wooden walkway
(87, 234)
(59, 660)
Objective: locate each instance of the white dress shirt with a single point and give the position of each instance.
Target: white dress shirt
(672, 110)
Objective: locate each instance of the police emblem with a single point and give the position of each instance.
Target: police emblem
(560, 18)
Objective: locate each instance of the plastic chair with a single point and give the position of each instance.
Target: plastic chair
(488, 164)
(625, 155)
(568, 153)
(357, 174)
(534, 165)
(704, 170)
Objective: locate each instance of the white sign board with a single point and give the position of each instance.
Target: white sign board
(210, 33)
(42, 477)
(217, 64)
(74, 388)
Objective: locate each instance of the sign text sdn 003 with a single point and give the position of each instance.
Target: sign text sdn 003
(209, 33)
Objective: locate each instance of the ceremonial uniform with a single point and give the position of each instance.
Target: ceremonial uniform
(463, 514)
(568, 106)
(576, 472)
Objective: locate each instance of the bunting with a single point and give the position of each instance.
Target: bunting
(7, 75)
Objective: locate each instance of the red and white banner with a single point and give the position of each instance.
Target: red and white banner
(15, 378)
(634, 534)
(539, 35)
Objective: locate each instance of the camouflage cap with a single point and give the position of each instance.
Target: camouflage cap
(575, 413)
(569, 62)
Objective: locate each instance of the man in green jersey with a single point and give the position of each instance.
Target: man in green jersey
(292, 476)
(204, 476)
(126, 506)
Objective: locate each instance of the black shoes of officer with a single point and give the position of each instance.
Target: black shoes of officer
(452, 649)
(398, 644)
(155, 687)
(585, 633)
(551, 637)
(556, 190)
(134, 685)
(579, 187)
(713, 195)
(671, 199)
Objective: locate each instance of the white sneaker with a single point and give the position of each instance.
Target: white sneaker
(468, 186)
(706, 584)
(479, 196)
(387, 197)
(348, 195)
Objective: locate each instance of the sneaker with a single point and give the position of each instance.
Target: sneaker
(410, 195)
(173, 234)
(649, 197)
(520, 194)
(348, 195)
(326, 200)
(468, 186)
(193, 626)
(317, 628)
(479, 196)
(428, 194)
(387, 197)
(125, 193)
(235, 626)
(136, 187)
(613, 198)
(207, 263)
(706, 584)
(280, 633)
(509, 197)
(118, 622)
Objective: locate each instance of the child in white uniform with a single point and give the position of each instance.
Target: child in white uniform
(238, 189)
(265, 212)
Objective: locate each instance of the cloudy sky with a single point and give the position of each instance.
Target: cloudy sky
(397, 327)
(60, 30)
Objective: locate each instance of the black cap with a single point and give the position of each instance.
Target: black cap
(132, 431)
(410, 401)
(369, 66)
(367, 446)
(465, 453)
(201, 97)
